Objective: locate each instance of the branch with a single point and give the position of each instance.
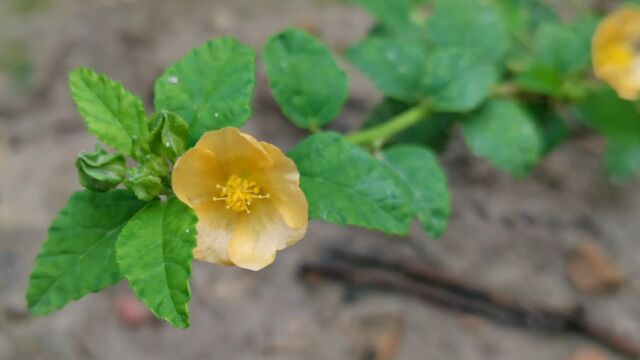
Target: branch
(430, 285)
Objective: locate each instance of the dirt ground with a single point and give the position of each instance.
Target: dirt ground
(511, 236)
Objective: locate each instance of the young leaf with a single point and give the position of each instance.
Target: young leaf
(304, 78)
(475, 25)
(211, 87)
(504, 134)
(346, 185)
(458, 80)
(100, 171)
(114, 115)
(154, 252)
(419, 168)
(79, 256)
(392, 14)
(395, 66)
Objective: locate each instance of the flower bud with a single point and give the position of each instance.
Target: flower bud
(100, 171)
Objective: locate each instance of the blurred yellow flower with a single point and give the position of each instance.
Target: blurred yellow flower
(246, 195)
(616, 52)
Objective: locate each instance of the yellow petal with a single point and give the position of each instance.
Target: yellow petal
(215, 228)
(282, 182)
(247, 198)
(616, 58)
(195, 176)
(259, 235)
(236, 152)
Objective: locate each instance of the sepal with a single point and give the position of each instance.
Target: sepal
(144, 183)
(169, 134)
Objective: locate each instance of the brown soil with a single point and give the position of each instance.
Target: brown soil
(510, 236)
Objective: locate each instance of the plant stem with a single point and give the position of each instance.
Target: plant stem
(398, 123)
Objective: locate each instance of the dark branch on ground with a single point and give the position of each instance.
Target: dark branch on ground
(433, 286)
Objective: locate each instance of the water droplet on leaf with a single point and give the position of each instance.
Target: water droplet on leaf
(391, 55)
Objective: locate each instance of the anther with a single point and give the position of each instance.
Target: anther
(239, 194)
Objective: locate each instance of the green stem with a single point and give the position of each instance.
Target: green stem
(398, 123)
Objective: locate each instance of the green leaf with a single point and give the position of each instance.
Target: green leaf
(419, 168)
(100, 171)
(521, 15)
(457, 80)
(413, 32)
(346, 185)
(560, 53)
(561, 48)
(605, 112)
(154, 252)
(433, 132)
(619, 121)
(622, 159)
(503, 133)
(396, 67)
(114, 115)
(516, 17)
(553, 130)
(78, 258)
(392, 14)
(474, 25)
(169, 135)
(304, 78)
(211, 87)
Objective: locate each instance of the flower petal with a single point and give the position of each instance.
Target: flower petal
(282, 182)
(195, 176)
(259, 235)
(615, 55)
(236, 152)
(215, 227)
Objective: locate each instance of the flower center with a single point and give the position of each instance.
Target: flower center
(238, 193)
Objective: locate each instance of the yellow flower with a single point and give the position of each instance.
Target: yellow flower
(616, 52)
(246, 195)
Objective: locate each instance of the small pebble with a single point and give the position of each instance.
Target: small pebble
(591, 271)
(132, 312)
(587, 354)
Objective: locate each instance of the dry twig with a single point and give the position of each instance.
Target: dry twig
(431, 285)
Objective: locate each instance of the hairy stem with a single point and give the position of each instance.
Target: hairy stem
(397, 124)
